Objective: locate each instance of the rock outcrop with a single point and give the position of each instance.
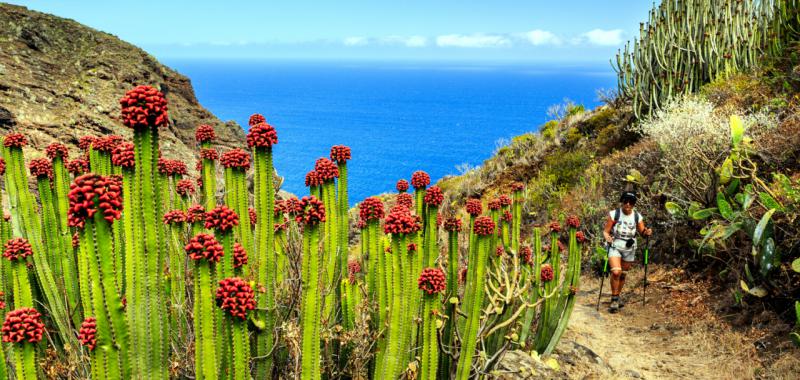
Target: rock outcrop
(60, 80)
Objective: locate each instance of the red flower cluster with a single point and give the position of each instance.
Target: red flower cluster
(124, 156)
(474, 207)
(340, 153)
(144, 106)
(2, 166)
(57, 150)
(107, 144)
(41, 167)
(484, 226)
(526, 254)
(411, 247)
(262, 135)
(81, 199)
(402, 186)
(255, 119)
(494, 204)
(205, 133)
(2, 301)
(204, 246)
(434, 196)
(76, 240)
(505, 200)
(312, 179)
(209, 154)
(236, 297)
(353, 268)
(432, 281)
(580, 237)
(86, 142)
(561, 247)
(23, 325)
(15, 140)
(185, 187)
(517, 186)
(500, 251)
(555, 227)
(452, 224)
(292, 206)
(175, 217)
(361, 224)
(326, 169)
(222, 219)
(280, 227)
(371, 209)
(17, 248)
(547, 273)
(439, 219)
(236, 158)
(171, 167)
(573, 221)
(311, 211)
(251, 212)
(405, 200)
(388, 249)
(507, 216)
(78, 166)
(239, 255)
(420, 180)
(88, 333)
(195, 214)
(400, 221)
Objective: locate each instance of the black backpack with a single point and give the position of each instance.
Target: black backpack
(618, 213)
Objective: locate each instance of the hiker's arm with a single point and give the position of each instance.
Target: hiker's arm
(644, 230)
(607, 230)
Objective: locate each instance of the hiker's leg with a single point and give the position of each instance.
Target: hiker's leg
(615, 263)
(626, 266)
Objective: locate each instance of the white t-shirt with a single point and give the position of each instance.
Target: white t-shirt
(624, 229)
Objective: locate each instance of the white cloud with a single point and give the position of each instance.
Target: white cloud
(472, 40)
(603, 37)
(356, 41)
(541, 37)
(412, 41)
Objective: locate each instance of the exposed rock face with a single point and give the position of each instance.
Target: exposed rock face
(60, 80)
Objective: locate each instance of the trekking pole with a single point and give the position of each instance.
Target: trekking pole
(603, 277)
(646, 260)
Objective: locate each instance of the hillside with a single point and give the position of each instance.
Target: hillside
(60, 80)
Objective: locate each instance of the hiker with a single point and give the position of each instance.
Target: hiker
(620, 233)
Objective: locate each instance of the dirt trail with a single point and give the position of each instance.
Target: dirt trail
(660, 340)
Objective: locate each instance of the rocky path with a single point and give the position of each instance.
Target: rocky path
(673, 336)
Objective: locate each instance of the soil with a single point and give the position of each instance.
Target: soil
(678, 334)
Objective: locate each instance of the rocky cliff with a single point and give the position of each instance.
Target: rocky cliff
(60, 80)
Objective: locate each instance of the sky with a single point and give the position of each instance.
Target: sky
(497, 30)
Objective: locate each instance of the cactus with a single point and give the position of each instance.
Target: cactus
(261, 138)
(484, 229)
(350, 294)
(95, 203)
(236, 163)
(327, 172)
(205, 251)
(311, 214)
(23, 328)
(340, 154)
(236, 297)
(144, 109)
(175, 221)
(533, 269)
(432, 283)
(453, 226)
(516, 210)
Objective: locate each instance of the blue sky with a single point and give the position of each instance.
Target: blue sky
(500, 30)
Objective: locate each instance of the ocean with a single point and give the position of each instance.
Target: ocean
(396, 117)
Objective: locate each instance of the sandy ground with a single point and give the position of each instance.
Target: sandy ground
(675, 335)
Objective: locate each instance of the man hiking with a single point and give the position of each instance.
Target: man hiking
(620, 233)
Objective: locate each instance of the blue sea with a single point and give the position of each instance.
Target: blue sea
(396, 117)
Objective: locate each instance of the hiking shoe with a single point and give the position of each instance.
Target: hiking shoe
(621, 303)
(614, 305)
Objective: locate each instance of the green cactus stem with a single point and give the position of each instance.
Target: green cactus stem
(432, 283)
(25, 222)
(397, 328)
(484, 229)
(236, 297)
(28, 329)
(533, 276)
(331, 260)
(68, 266)
(204, 251)
(313, 213)
(453, 227)
(261, 138)
(568, 291)
(516, 211)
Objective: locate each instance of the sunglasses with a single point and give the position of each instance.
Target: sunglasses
(629, 202)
